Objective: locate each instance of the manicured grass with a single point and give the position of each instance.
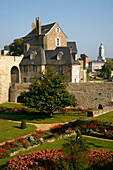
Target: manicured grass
(97, 144)
(12, 105)
(105, 117)
(11, 130)
(35, 118)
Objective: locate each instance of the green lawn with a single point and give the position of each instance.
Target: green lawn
(11, 130)
(105, 117)
(35, 118)
(11, 105)
(93, 144)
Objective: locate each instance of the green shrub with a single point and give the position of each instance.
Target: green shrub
(23, 124)
(75, 152)
(89, 113)
(79, 135)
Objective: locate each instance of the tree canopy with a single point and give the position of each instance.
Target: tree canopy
(106, 69)
(16, 48)
(48, 93)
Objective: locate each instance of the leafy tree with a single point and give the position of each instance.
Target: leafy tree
(16, 48)
(48, 93)
(106, 69)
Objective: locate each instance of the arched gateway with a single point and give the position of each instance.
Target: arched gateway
(14, 75)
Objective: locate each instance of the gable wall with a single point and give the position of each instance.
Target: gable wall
(50, 39)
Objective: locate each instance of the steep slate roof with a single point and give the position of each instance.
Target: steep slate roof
(72, 45)
(67, 59)
(39, 58)
(44, 29)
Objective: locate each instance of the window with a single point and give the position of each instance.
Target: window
(47, 69)
(31, 79)
(57, 42)
(57, 29)
(25, 69)
(34, 69)
(46, 29)
(32, 55)
(60, 69)
(60, 55)
(24, 79)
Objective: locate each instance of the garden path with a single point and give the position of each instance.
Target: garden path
(43, 127)
(47, 127)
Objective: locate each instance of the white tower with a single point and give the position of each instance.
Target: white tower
(101, 56)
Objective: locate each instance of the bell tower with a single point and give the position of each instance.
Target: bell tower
(101, 56)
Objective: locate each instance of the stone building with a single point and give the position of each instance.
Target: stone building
(97, 64)
(44, 47)
(47, 47)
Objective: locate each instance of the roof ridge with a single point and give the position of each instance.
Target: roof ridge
(48, 24)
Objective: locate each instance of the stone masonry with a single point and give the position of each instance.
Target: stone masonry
(86, 94)
(6, 64)
(92, 94)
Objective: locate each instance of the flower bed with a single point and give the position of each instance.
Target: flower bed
(64, 111)
(36, 138)
(43, 159)
(100, 159)
(88, 127)
(74, 111)
(92, 127)
(96, 128)
(14, 109)
(53, 159)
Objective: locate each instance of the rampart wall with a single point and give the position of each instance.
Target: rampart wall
(86, 94)
(92, 94)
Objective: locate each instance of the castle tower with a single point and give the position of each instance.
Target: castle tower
(101, 56)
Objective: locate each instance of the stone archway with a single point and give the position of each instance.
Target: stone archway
(19, 99)
(14, 75)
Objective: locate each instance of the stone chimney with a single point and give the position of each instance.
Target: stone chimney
(33, 26)
(85, 59)
(26, 47)
(38, 26)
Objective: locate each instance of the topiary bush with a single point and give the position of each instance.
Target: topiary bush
(100, 106)
(23, 124)
(89, 113)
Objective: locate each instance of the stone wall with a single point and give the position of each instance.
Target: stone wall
(92, 94)
(16, 89)
(103, 111)
(50, 38)
(6, 64)
(86, 94)
(30, 73)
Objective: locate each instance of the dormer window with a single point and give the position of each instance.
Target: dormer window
(32, 55)
(57, 29)
(57, 41)
(59, 55)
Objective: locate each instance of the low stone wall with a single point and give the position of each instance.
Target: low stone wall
(92, 94)
(102, 111)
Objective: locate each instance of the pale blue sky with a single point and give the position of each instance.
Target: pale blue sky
(88, 22)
